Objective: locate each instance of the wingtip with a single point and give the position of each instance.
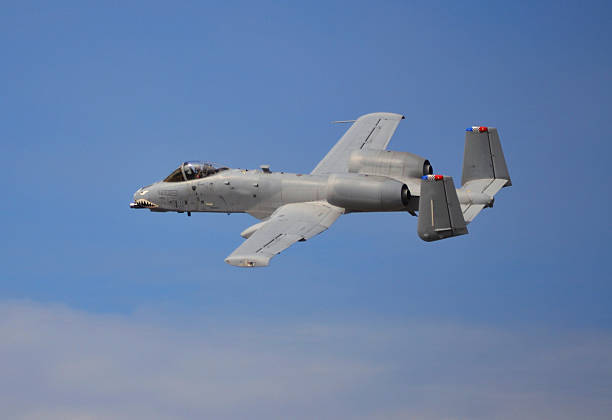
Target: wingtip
(384, 115)
(248, 261)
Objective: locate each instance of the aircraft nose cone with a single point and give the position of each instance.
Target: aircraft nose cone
(142, 200)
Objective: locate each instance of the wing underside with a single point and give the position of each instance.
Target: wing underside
(368, 132)
(287, 225)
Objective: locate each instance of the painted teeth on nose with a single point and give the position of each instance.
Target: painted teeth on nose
(145, 203)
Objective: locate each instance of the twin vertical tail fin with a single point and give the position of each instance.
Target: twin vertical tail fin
(439, 210)
(484, 171)
(483, 157)
(444, 211)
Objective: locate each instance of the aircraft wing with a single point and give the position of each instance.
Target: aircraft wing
(287, 225)
(368, 132)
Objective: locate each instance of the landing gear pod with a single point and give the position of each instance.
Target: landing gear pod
(440, 214)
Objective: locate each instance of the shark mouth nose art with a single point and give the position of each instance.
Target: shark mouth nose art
(141, 203)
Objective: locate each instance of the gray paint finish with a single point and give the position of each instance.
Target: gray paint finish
(483, 157)
(357, 175)
(485, 172)
(368, 132)
(439, 211)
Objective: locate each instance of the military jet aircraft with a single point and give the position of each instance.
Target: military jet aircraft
(357, 175)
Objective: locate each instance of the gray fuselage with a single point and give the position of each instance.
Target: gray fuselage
(235, 191)
(260, 193)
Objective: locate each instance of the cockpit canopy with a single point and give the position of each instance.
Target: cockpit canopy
(193, 170)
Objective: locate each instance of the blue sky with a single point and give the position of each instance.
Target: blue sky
(100, 99)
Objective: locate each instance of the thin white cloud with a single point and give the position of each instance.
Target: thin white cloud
(58, 363)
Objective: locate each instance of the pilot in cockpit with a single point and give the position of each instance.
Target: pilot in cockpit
(192, 170)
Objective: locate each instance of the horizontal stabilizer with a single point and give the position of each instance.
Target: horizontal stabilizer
(439, 211)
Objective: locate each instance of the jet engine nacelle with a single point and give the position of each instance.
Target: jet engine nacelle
(366, 193)
(388, 163)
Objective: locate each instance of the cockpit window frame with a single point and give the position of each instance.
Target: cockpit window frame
(174, 174)
(202, 170)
